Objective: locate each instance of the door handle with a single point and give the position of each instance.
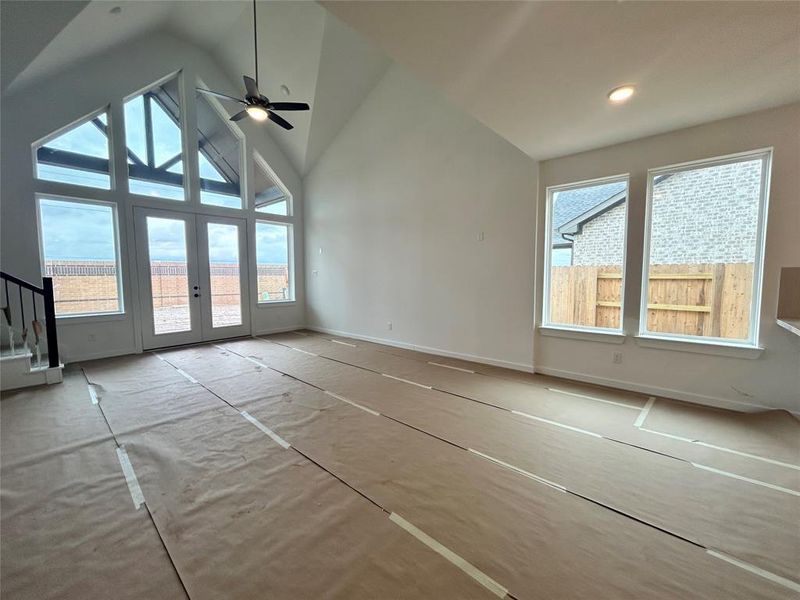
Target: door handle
(196, 287)
(197, 295)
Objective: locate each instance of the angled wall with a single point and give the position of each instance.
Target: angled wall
(419, 216)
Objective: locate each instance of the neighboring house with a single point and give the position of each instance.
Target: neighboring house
(688, 208)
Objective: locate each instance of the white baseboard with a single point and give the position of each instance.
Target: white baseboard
(82, 357)
(438, 351)
(278, 330)
(656, 391)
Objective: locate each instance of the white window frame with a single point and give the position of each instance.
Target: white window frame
(117, 253)
(183, 128)
(289, 220)
(290, 260)
(259, 162)
(550, 193)
(112, 183)
(765, 155)
(223, 115)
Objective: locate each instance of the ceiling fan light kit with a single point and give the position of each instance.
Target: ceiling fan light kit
(257, 106)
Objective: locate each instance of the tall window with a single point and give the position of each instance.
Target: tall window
(80, 251)
(78, 156)
(585, 254)
(219, 154)
(704, 249)
(274, 261)
(154, 142)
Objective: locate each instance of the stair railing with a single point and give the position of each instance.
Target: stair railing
(46, 292)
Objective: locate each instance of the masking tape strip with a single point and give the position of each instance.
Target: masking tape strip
(547, 482)
(185, 374)
(427, 387)
(303, 351)
(747, 479)
(364, 408)
(557, 424)
(788, 583)
(451, 367)
(130, 478)
(344, 343)
(645, 411)
(92, 394)
(478, 575)
(275, 437)
(723, 449)
(594, 398)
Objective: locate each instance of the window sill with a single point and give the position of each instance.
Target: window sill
(608, 337)
(276, 303)
(699, 347)
(96, 318)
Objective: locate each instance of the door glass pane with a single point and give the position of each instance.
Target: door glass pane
(223, 259)
(166, 240)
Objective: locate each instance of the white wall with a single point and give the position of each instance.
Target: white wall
(34, 112)
(396, 204)
(772, 379)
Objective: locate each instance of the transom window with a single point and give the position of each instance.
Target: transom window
(219, 155)
(154, 142)
(271, 197)
(78, 156)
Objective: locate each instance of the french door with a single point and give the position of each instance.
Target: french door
(192, 273)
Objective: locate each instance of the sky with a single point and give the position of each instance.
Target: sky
(86, 232)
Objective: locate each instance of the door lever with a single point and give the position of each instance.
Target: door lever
(197, 295)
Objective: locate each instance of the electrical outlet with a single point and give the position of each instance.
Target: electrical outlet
(315, 272)
(617, 360)
(389, 325)
(480, 236)
(320, 249)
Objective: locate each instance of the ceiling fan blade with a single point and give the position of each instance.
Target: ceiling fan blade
(239, 116)
(279, 120)
(251, 87)
(218, 95)
(288, 106)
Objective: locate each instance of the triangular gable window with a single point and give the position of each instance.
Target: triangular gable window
(78, 156)
(219, 154)
(271, 197)
(154, 144)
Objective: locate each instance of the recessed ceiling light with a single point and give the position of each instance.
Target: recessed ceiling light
(621, 94)
(116, 10)
(285, 90)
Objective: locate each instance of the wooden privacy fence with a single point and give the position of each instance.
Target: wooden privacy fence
(706, 299)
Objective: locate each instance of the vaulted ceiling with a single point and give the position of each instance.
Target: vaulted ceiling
(301, 46)
(538, 72)
(535, 72)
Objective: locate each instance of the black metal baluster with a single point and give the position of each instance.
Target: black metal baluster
(21, 307)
